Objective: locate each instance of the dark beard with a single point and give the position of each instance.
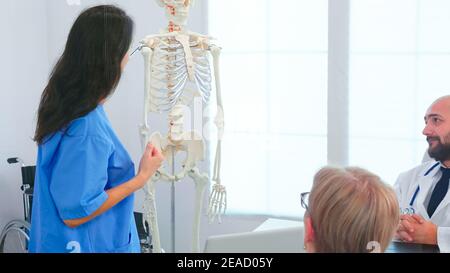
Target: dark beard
(442, 151)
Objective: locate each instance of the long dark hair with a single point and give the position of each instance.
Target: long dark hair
(88, 71)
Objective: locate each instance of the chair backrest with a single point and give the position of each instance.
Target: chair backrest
(28, 174)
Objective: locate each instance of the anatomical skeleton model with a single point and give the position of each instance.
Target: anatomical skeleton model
(177, 69)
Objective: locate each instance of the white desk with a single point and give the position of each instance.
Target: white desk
(272, 223)
(273, 236)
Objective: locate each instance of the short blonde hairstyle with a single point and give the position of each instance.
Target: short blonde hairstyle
(351, 208)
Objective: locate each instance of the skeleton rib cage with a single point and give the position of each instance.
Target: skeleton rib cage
(170, 75)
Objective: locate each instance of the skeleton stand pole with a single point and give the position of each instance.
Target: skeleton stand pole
(172, 191)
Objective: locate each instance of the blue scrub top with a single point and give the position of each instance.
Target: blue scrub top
(74, 171)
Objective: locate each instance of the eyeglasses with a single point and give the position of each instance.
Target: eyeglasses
(304, 200)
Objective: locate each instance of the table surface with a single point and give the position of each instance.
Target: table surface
(400, 247)
(272, 223)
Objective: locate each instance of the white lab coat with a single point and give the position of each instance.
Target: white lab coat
(422, 176)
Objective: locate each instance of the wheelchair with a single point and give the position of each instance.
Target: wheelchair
(15, 236)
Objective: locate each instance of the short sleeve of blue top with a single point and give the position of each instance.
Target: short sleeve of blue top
(74, 171)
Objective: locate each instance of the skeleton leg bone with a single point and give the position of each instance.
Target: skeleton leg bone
(201, 182)
(150, 214)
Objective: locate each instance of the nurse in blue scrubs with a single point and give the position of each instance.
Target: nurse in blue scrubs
(85, 179)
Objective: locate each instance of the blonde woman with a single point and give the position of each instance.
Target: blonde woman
(349, 210)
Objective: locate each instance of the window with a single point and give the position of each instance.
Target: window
(275, 73)
(398, 66)
(274, 77)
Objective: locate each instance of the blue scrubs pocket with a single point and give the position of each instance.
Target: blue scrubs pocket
(123, 249)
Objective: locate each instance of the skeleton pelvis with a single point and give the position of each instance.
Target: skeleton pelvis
(191, 144)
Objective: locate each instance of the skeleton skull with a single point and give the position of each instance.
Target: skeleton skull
(177, 11)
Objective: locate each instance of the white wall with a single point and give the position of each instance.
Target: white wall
(50, 23)
(23, 74)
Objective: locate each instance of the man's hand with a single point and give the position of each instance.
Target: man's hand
(415, 229)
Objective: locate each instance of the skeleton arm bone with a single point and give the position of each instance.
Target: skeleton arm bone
(222, 208)
(211, 213)
(219, 120)
(147, 52)
(217, 201)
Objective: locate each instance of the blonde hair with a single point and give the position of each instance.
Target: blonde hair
(351, 210)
